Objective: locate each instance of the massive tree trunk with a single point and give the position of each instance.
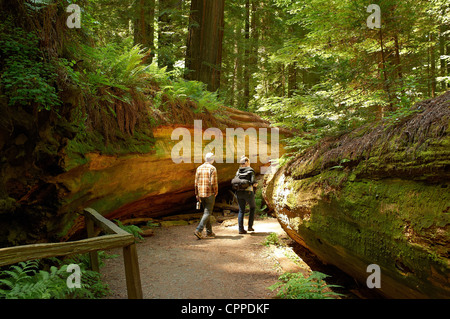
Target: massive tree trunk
(43, 188)
(204, 44)
(151, 184)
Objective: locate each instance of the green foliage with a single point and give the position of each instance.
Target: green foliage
(194, 90)
(117, 68)
(272, 239)
(132, 229)
(259, 201)
(297, 286)
(114, 66)
(323, 72)
(152, 224)
(26, 77)
(178, 89)
(27, 280)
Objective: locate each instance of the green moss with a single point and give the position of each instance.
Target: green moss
(142, 141)
(386, 222)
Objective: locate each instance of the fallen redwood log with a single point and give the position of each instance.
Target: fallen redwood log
(376, 196)
(152, 185)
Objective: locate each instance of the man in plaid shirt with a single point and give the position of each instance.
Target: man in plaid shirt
(206, 189)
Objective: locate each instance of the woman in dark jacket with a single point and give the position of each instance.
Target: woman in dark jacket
(247, 195)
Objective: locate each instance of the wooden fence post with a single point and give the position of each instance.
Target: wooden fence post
(132, 274)
(93, 255)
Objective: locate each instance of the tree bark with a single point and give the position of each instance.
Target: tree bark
(398, 60)
(443, 64)
(143, 26)
(204, 44)
(292, 78)
(432, 66)
(168, 21)
(247, 55)
(385, 76)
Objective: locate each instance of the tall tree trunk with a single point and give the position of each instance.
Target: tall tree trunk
(398, 61)
(385, 76)
(143, 26)
(204, 44)
(235, 68)
(432, 66)
(443, 65)
(292, 78)
(169, 12)
(247, 55)
(254, 35)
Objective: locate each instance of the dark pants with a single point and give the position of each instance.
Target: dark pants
(243, 198)
(208, 205)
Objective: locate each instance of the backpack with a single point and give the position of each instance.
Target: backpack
(240, 182)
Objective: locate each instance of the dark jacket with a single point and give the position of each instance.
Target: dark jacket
(247, 173)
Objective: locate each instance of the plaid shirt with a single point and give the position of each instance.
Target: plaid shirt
(206, 180)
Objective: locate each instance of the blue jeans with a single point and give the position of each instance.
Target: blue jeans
(208, 204)
(243, 198)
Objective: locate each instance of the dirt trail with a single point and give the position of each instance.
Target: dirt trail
(174, 264)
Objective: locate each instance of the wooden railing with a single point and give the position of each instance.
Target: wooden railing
(115, 237)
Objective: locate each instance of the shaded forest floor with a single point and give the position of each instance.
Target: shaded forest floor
(174, 264)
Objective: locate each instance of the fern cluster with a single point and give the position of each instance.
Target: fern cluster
(134, 230)
(27, 280)
(297, 286)
(194, 90)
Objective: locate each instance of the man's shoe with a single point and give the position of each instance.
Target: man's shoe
(250, 229)
(198, 234)
(211, 235)
(242, 232)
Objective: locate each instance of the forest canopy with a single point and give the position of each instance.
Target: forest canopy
(313, 66)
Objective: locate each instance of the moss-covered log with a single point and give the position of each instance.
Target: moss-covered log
(378, 195)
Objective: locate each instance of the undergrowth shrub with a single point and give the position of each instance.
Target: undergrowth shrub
(112, 81)
(37, 279)
(118, 88)
(297, 286)
(134, 230)
(27, 77)
(181, 90)
(272, 239)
